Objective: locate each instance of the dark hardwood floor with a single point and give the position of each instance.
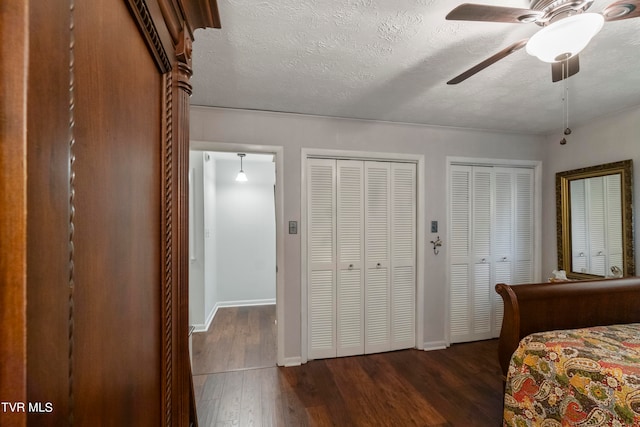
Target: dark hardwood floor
(458, 386)
(238, 338)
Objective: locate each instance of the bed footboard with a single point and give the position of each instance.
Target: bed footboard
(564, 305)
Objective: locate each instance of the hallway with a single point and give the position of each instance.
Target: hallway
(238, 338)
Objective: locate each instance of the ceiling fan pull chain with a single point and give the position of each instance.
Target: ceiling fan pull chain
(565, 100)
(567, 129)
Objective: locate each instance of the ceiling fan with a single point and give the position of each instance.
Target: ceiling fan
(567, 29)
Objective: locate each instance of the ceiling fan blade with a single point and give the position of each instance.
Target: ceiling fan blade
(484, 64)
(572, 67)
(619, 10)
(481, 12)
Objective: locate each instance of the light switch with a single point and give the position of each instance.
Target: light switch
(293, 227)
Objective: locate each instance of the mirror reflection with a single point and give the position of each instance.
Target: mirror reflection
(594, 222)
(596, 225)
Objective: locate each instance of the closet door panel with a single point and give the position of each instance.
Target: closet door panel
(503, 238)
(321, 258)
(460, 252)
(350, 247)
(597, 227)
(524, 226)
(579, 248)
(481, 289)
(377, 230)
(403, 231)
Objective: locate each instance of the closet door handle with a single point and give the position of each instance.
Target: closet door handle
(350, 266)
(378, 265)
(504, 258)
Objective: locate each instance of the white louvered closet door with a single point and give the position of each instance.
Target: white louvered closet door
(377, 243)
(491, 241)
(350, 268)
(361, 232)
(403, 255)
(321, 284)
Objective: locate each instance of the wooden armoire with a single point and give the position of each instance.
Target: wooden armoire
(94, 151)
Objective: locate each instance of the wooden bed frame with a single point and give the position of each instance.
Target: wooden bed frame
(564, 305)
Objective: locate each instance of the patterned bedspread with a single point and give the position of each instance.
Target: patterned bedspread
(576, 377)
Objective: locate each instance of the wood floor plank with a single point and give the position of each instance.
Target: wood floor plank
(271, 384)
(231, 400)
(251, 404)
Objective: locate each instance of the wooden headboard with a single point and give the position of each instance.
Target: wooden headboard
(564, 305)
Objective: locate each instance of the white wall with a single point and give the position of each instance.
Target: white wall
(609, 139)
(246, 238)
(197, 315)
(294, 132)
(209, 235)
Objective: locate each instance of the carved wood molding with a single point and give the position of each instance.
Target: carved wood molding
(72, 210)
(154, 31)
(202, 14)
(165, 24)
(167, 250)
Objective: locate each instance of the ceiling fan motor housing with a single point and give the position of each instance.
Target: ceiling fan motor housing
(555, 10)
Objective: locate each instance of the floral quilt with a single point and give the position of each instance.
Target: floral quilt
(575, 377)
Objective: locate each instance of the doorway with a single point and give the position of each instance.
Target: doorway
(235, 243)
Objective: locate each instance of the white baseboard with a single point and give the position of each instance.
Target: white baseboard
(292, 361)
(434, 345)
(246, 303)
(205, 327)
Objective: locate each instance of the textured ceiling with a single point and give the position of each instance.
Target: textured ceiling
(390, 60)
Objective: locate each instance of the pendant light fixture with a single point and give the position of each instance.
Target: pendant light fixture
(242, 177)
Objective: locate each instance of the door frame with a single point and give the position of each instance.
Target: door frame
(278, 153)
(536, 165)
(419, 161)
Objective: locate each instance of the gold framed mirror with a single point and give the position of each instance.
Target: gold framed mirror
(595, 221)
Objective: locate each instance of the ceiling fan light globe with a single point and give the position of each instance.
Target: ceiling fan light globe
(565, 38)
